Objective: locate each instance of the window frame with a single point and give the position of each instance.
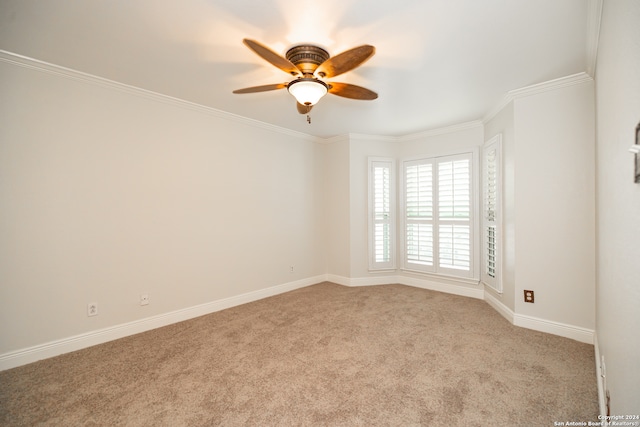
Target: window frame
(417, 221)
(472, 275)
(381, 266)
(494, 282)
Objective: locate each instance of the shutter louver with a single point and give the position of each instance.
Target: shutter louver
(455, 249)
(420, 244)
(381, 214)
(454, 190)
(491, 250)
(491, 213)
(490, 186)
(454, 201)
(419, 213)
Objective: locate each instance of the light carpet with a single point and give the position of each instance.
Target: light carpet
(330, 355)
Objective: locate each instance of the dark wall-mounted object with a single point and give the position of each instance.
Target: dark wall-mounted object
(637, 156)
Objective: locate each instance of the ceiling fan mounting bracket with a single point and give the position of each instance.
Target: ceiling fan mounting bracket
(307, 57)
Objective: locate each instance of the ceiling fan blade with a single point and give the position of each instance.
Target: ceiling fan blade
(345, 61)
(262, 88)
(347, 90)
(304, 109)
(272, 57)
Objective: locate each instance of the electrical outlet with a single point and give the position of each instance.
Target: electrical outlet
(528, 296)
(92, 309)
(144, 299)
(291, 269)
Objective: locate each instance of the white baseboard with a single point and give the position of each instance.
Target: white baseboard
(338, 280)
(361, 281)
(408, 281)
(78, 342)
(465, 291)
(541, 325)
(556, 328)
(373, 281)
(498, 306)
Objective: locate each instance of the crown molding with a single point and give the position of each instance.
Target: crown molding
(366, 137)
(443, 130)
(572, 80)
(594, 17)
(506, 100)
(68, 73)
(79, 76)
(420, 135)
(333, 139)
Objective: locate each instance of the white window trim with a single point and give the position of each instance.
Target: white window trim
(391, 264)
(494, 283)
(473, 276)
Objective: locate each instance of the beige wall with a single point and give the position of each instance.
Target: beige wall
(548, 144)
(555, 204)
(337, 206)
(107, 194)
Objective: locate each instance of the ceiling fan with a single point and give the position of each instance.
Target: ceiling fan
(310, 64)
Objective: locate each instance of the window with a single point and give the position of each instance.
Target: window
(438, 215)
(381, 214)
(419, 213)
(491, 236)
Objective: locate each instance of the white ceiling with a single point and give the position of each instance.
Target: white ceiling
(437, 62)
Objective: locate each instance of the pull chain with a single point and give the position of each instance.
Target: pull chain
(308, 119)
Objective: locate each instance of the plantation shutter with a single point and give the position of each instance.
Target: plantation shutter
(454, 214)
(382, 210)
(437, 215)
(491, 213)
(419, 214)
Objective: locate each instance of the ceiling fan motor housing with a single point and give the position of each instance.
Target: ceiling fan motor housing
(307, 57)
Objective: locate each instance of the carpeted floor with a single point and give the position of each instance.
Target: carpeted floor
(388, 355)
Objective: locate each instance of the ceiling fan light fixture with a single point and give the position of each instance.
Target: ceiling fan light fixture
(307, 91)
(310, 64)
